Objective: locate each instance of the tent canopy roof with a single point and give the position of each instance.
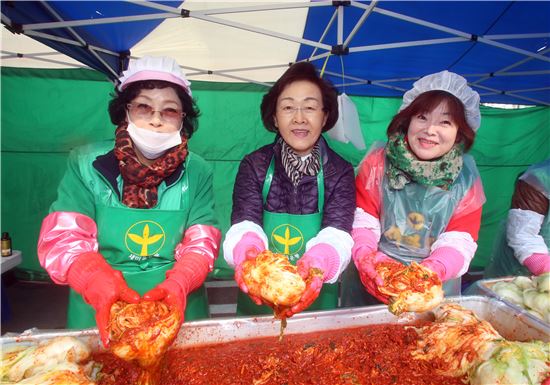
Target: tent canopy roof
(365, 48)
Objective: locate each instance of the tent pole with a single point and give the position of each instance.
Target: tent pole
(460, 33)
(106, 20)
(361, 21)
(82, 41)
(516, 64)
(324, 34)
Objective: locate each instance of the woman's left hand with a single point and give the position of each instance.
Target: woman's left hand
(171, 293)
(313, 287)
(311, 293)
(187, 274)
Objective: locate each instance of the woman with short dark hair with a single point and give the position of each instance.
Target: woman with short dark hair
(419, 197)
(137, 218)
(295, 196)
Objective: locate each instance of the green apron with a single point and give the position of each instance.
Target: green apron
(140, 243)
(288, 234)
(406, 241)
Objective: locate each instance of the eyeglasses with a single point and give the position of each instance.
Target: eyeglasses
(145, 111)
(307, 110)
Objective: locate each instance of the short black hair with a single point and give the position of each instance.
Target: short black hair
(296, 72)
(117, 105)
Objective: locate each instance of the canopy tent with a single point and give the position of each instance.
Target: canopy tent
(372, 50)
(375, 48)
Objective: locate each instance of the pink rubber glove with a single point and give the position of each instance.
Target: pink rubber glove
(188, 273)
(311, 293)
(365, 264)
(445, 261)
(247, 248)
(101, 286)
(322, 257)
(365, 241)
(538, 263)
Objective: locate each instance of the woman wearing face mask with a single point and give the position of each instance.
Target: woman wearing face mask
(419, 197)
(295, 196)
(136, 219)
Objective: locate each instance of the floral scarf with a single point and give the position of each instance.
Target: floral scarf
(295, 166)
(141, 181)
(404, 167)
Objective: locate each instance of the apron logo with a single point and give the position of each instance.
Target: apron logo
(145, 238)
(290, 239)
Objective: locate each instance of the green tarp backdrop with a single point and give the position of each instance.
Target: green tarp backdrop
(46, 113)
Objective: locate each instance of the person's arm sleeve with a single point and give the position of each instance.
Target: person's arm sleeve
(529, 208)
(69, 230)
(74, 194)
(247, 195)
(339, 204)
(526, 197)
(246, 216)
(63, 237)
(366, 223)
(247, 232)
(333, 243)
(202, 236)
(368, 184)
(201, 210)
(200, 240)
(522, 234)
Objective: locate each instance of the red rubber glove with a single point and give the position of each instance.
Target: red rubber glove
(101, 286)
(250, 254)
(188, 273)
(365, 264)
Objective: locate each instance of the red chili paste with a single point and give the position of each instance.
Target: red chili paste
(371, 355)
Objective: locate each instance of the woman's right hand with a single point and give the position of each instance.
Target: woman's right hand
(250, 254)
(101, 286)
(102, 296)
(366, 266)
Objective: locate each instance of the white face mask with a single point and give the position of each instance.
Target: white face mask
(152, 144)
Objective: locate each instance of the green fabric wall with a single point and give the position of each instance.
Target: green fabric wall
(46, 113)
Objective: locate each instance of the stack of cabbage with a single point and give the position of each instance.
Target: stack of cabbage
(531, 294)
(59, 361)
(515, 363)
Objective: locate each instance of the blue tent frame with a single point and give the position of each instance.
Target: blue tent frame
(372, 48)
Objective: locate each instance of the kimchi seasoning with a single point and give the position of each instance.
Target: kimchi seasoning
(116, 371)
(370, 355)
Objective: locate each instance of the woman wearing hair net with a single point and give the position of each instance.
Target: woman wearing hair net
(523, 246)
(295, 196)
(137, 218)
(419, 197)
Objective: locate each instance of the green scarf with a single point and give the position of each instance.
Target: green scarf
(404, 167)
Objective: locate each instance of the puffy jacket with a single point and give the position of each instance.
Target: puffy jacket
(339, 184)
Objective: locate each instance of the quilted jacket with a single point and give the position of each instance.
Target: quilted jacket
(339, 205)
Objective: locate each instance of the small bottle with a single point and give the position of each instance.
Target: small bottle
(6, 244)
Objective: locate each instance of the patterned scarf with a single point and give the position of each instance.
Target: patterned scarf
(140, 181)
(403, 166)
(296, 167)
